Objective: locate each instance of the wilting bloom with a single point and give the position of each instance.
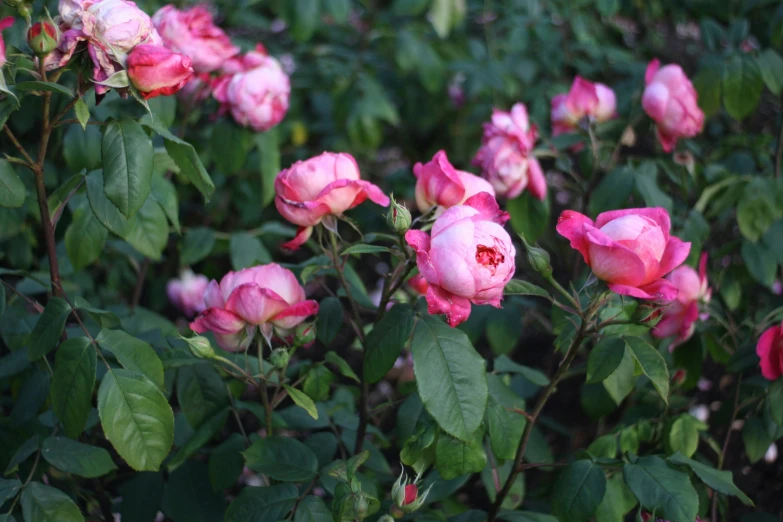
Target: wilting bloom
(419, 284)
(5, 23)
(770, 351)
(193, 33)
(42, 38)
(671, 101)
(679, 317)
(440, 184)
(155, 70)
(187, 292)
(262, 297)
(586, 99)
(505, 155)
(326, 185)
(631, 249)
(468, 258)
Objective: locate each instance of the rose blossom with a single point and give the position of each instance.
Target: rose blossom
(154, 70)
(325, 185)
(187, 292)
(671, 101)
(585, 99)
(770, 351)
(439, 184)
(679, 318)
(505, 155)
(629, 249)
(193, 33)
(5, 23)
(468, 258)
(263, 297)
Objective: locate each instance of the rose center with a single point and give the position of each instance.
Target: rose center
(489, 257)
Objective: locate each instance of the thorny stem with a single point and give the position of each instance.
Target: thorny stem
(725, 448)
(563, 291)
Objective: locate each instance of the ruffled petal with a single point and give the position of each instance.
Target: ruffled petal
(536, 179)
(213, 298)
(613, 262)
(571, 225)
(675, 254)
(254, 304)
(658, 214)
(420, 242)
(293, 315)
(488, 208)
(302, 235)
(219, 321)
(455, 308)
(660, 291)
(302, 213)
(668, 326)
(652, 68)
(768, 349)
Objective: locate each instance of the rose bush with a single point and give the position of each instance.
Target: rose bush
(571, 312)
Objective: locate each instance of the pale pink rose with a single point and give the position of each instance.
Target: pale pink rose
(5, 23)
(193, 33)
(258, 98)
(265, 297)
(187, 292)
(467, 258)
(770, 352)
(586, 99)
(236, 64)
(631, 249)
(439, 184)
(671, 101)
(155, 70)
(680, 316)
(325, 185)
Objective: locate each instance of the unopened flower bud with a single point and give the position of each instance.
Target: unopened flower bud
(398, 218)
(200, 346)
(361, 506)
(679, 376)
(304, 335)
(647, 313)
(538, 258)
(42, 38)
(13, 3)
(279, 358)
(405, 496)
(25, 12)
(386, 518)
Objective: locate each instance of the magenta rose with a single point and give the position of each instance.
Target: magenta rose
(631, 249)
(439, 184)
(326, 185)
(187, 292)
(193, 33)
(672, 102)
(680, 316)
(467, 258)
(585, 99)
(154, 70)
(770, 352)
(5, 23)
(265, 297)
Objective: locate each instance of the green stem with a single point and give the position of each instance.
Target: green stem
(262, 389)
(563, 291)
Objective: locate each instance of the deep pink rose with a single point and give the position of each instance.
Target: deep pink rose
(585, 100)
(264, 297)
(187, 292)
(629, 249)
(325, 185)
(193, 33)
(5, 23)
(440, 184)
(671, 101)
(770, 351)
(155, 70)
(467, 258)
(419, 284)
(680, 316)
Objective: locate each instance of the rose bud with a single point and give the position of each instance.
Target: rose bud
(305, 335)
(187, 292)
(42, 38)
(200, 346)
(326, 185)
(632, 250)
(154, 70)
(398, 218)
(262, 297)
(405, 495)
(586, 99)
(770, 352)
(193, 32)
(280, 358)
(439, 184)
(671, 101)
(5, 23)
(468, 258)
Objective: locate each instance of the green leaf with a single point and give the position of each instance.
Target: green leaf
(742, 85)
(197, 244)
(200, 437)
(604, 446)
(77, 458)
(136, 418)
(188, 161)
(721, 481)
(82, 148)
(342, 365)
(707, 85)
(608, 7)
(317, 382)
(612, 192)
(529, 216)
(445, 15)
(621, 381)
(109, 215)
(304, 16)
(44, 86)
(189, 497)
(21, 454)
(386, 341)
(364, 249)
(683, 436)
(617, 502)
(760, 261)
(268, 144)
(771, 68)
(756, 439)
(505, 365)
(149, 230)
(282, 458)
(774, 402)
(133, 354)
(451, 377)
(262, 504)
(455, 458)
(230, 146)
(329, 320)
(165, 193)
(9, 489)
(604, 359)
(82, 112)
(84, 238)
(578, 491)
(339, 10)
(247, 250)
(652, 364)
(662, 489)
(302, 400)
(73, 383)
(646, 181)
(42, 503)
(313, 509)
(757, 209)
(519, 287)
(127, 165)
(2, 299)
(57, 199)
(712, 33)
(12, 189)
(526, 516)
(201, 393)
(49, 327)
(505, 427)
(226, 462)
(141, 497)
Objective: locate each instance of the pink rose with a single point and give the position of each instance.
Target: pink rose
(264, 297)
(440, 184)
(679, 318)
(155, 70)
(585, 100)
(5, 23)
(326, 185)
(193, 33)
(187, 292)
(468, 258)
(770, 351)
(258, 98)
(671, 101)
(629, 249)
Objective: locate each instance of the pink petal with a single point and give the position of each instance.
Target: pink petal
(293, 315)
(536, 180)
(213, 298)
(456, 309)
(302, 213)
(658, 214)
(582, 97)
(612, 262)
(236, 342)
(660, 291)
(571, 225)
(254, 304)
(488, 208)
(420, 242)
(652, 68)
(675, 254)
(703, 267)
(667, 141)
(219, 321)
(769, 351)
(668, 326)
(302, 235)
